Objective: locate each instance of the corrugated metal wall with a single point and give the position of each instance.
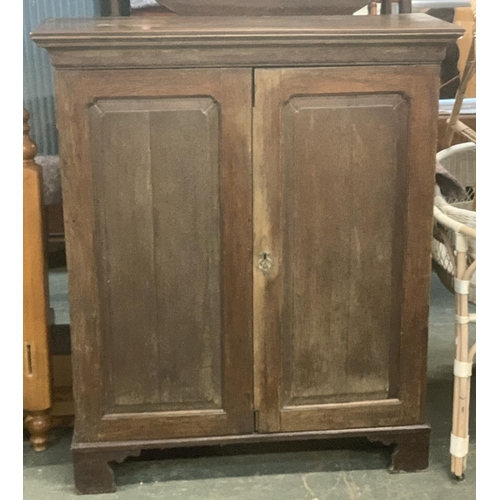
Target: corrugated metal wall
(38, 82)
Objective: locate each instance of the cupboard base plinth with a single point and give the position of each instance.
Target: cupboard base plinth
(91, 469)
(93, 473)
(411, 453)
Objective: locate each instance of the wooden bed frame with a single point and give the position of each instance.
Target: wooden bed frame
(36, 369)
(47, 395)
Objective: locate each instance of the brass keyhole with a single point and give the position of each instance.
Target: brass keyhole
(265, 262)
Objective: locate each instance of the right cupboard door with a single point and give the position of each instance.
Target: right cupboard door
(343, 187)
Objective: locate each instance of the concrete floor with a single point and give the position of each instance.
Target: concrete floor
(318, 471)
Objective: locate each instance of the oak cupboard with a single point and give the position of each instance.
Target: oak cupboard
(248, 211)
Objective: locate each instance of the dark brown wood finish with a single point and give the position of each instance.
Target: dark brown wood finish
(334, 168)
(160, 190)
(178, 41)
(181, 135)
(160, 177)
(93, 473)
(339, 328)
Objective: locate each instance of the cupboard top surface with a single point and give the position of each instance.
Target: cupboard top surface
(223, 42)
(134, 30)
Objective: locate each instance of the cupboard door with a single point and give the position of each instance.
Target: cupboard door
(343, 188)
(157, 181)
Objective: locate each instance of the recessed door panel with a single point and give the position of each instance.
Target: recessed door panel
(160, 228)
(341, 245)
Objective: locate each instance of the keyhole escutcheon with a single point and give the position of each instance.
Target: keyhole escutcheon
(265, 262)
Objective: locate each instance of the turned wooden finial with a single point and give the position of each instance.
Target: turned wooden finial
(29, 147)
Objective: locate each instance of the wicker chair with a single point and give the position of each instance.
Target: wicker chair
(460, 162)
(454, 261)
(456, 229)
(454, 257)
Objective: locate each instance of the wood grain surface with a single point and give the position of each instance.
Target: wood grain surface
(37, 397)
(185, 41)
(162, 313)
(248, 213)
(337, 322)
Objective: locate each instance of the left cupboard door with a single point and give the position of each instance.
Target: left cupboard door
(157, 186)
